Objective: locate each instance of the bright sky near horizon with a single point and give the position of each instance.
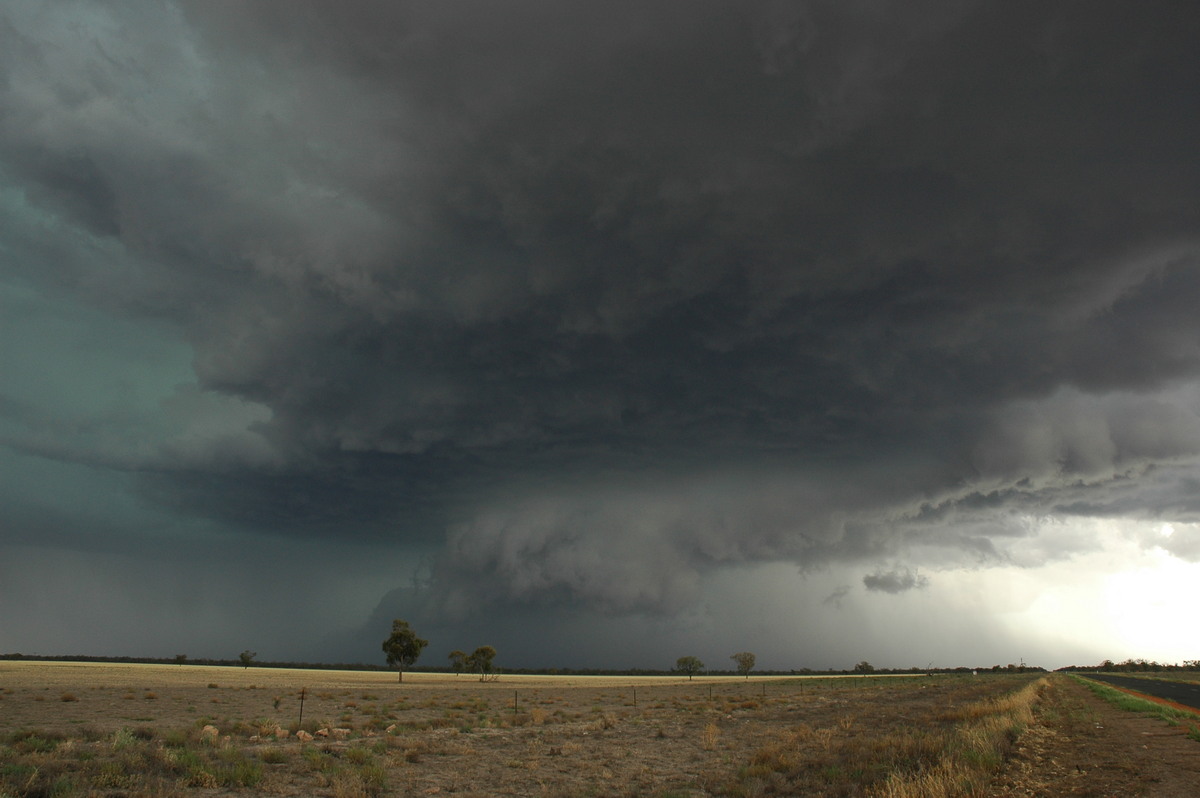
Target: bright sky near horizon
(602, 333)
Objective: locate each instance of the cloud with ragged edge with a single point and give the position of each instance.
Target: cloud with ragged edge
(835, 598)
(897, 580)
(585, 307)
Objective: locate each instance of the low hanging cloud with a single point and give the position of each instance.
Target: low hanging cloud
(1182, 541)
(897, 580)
(582, 307)
(838, 595)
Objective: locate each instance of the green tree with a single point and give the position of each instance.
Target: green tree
(689, 665)
(246, 657)
(745, 662)
(403, 647)
(180, 659)
(864, 667)
(480, 661)
(458, 661)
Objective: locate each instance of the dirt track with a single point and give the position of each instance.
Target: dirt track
(1082, 745)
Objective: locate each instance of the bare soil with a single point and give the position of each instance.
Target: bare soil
(439, 734)
(1082, 745)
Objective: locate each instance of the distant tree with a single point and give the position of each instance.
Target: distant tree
(745, 662)
(864, 667)
(480, 661)
(403, 647)
(458, 661)
(689, 665)
(180, 659)
(246, 657)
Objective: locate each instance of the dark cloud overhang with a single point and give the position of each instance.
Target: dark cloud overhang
(639, 248)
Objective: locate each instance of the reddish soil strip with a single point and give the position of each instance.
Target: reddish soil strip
(1164, 702)
(1154, 699)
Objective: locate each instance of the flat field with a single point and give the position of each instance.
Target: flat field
(81, 729)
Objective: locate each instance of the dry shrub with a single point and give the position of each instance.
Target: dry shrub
(605, 721)
(909, 757)
(781, 756)
(413, 747)
(263, 727)
(710, 736)
(940, 780)
(907, 749)
(273, 756)
(35, 741)
(91, 734)
(972, 751)
(982, 709)
(123, 739)
(113, 775)
(201, 778)
(355, 784)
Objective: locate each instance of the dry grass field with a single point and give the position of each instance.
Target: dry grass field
(70, 729)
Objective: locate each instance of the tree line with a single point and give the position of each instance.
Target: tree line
(470, 664)
(1135, 666)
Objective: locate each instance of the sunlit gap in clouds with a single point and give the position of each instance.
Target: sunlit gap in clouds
(1152, 604)
(1127, 597)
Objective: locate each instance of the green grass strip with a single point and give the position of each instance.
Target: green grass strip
(1131, 703)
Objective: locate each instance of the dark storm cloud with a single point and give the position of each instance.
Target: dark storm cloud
(609, 296)
(607, 255)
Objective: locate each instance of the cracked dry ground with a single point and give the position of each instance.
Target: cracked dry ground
(1080, 745)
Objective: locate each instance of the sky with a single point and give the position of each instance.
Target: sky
(601, 332)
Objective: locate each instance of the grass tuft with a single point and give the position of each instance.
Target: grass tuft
(974, 750)
(954, 751)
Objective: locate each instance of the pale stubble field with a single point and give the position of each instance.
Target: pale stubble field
(80, 729)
